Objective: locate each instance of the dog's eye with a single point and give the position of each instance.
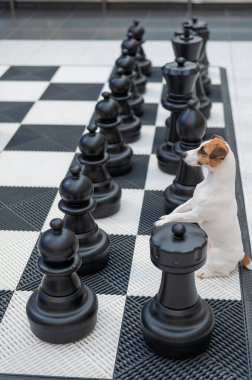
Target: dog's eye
(202, 151)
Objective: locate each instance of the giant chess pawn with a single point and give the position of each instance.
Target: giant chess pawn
(138, 32)
(93, 156)
(201, 29)
(62, 309)
(120, 154)
(189, 46)
(132, 45)
(177, 323)
(127, 63)
(180, 77)
(191, 128)
(77, 204)
(130, 125)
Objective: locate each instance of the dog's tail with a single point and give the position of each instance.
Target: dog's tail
(247, 262)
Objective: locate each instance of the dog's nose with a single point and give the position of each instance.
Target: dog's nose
(184, 154)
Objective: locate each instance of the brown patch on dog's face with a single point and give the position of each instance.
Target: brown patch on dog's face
(213, 152)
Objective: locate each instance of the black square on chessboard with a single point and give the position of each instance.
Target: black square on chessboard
(25, 208)
(225, 358)
(113, 279)
(72, 91)
(156, 75)
(135, 178)
(30, 73)
(5, 297)
(152, 209)
(150, 114)
(13, 112)
(55, 138)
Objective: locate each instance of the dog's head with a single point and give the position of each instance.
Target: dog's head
(210, 153)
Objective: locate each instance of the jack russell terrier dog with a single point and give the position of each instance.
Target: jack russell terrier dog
(213, 206)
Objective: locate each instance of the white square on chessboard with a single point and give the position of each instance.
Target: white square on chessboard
(126, 220)
(7, 131)
(153, 92)
(145, 278)
(60, 112)
(92, 357)
(82, 74)
(162, 115)
(15, 250)
(39, 169)
(3, 69)
(156, 179)
(216, 119)
(144, 144)
(214, 74)
(22, 91)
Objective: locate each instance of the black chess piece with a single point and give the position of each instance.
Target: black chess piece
(177, 323)
(77, 204)
(138, 32)
(127, 63)
(132, 45)
(189, 45)
(111, 126)
(62, 309)
(130, 125)
(200, 27)
(191, 128)
(180, 77)
(93, 156)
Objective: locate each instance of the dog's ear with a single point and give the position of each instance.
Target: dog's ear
(217, 137)
(219, 152)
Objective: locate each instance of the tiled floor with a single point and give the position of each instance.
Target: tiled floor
(226, 24)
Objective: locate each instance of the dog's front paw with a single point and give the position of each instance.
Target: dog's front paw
(161, 222)
(205, 273)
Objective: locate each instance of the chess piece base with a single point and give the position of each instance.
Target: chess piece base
(177, 333)
(62, 320)
(206, 84)
(140, 83)
(145, 67)
(107, 203)
(94, 255)
(175, 195)
(168, 161)
(137, 105)
(120, 163)
(130, 129)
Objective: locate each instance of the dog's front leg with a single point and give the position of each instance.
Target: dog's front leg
(185, 207)
(183, 217)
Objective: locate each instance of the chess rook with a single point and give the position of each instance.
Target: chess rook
(77, 204)
(132, 45)
(177, 323)
(138, 32)
(189, 46)
(191, 128)
(93, 156)
(180, 77)
(201, 29)
(136, 101)
(130, 125)
(62, 310)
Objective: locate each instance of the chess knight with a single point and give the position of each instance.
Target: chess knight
(213, 206)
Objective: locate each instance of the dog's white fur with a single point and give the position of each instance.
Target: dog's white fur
(213, 206)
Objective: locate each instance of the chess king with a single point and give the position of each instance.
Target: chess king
(213, 206)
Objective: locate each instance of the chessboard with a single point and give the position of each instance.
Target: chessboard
(43, 113)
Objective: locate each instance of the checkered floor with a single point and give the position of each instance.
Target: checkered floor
(43, 113)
